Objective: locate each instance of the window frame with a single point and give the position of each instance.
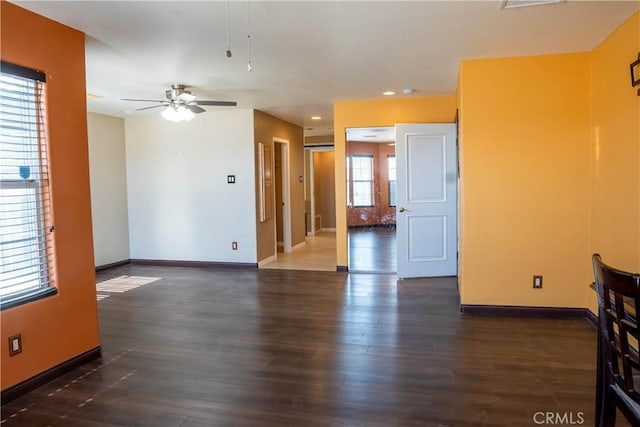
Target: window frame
(41, 261)
(371, 182)
(394, 181)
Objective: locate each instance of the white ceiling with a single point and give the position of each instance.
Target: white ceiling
(372, 134)
(306, 55)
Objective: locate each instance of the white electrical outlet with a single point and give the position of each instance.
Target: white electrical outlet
(537, 282)
(15, 344)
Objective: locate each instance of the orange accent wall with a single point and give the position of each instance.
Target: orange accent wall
(525, 160)
(550, 172)
(370, 113)
(57, 328)
(615, 200)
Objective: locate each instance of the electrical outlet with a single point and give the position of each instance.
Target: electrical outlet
(537, 282)
(15, 344)
(234, 246)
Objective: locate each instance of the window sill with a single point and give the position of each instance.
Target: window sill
(14, 301)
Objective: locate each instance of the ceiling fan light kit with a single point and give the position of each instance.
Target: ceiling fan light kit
(178, 114)
(181, 105)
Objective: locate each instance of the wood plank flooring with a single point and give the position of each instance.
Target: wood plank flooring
(216, 347)
(373, 249)
(319, 254)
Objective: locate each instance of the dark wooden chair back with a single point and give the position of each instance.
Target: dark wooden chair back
(618, 309)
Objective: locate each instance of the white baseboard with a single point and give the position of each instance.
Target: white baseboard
(299, 246)
(333, 229)
(266, 261)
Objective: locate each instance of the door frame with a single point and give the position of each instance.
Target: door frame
(376, 130)
(286, 196)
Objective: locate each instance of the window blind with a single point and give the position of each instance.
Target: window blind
(25, 204)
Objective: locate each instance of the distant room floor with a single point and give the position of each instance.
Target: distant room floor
(319, 254)
(372, 249)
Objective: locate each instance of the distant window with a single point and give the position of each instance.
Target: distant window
(391, 174)
(362, 180)
(25, 210)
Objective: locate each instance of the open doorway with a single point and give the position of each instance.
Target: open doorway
(318, 251)
(320, 208)
(371, 199)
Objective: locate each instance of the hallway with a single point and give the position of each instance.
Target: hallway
(319, 254)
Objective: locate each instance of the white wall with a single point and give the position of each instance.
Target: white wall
(180, 205)
(108, 180)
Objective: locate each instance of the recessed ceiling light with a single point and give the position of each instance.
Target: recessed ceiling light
(388, 93)
(316, 118)
(408, 91)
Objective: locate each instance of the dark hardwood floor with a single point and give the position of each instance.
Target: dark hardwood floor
(372, 249)
(216, 347)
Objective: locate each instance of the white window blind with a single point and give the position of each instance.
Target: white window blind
(25, 209)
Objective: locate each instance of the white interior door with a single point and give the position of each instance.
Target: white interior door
(426, 212)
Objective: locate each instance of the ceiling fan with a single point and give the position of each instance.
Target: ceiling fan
(181, 104)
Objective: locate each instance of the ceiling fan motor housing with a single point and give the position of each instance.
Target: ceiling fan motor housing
(179, 92)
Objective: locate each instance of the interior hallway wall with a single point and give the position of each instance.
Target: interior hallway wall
(108, 173)
(325, 188)
(266, 127)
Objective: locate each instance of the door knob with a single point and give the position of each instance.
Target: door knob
(403, 210)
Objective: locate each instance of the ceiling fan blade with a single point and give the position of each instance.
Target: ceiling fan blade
(195, 109)
(186, 96)
(217, 103)
(140, 100)
(153, 106)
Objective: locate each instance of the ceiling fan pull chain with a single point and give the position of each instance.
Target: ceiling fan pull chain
(249, 67)
(228, 36)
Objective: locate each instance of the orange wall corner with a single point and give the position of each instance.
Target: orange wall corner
(57, 328)
(615, 205)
